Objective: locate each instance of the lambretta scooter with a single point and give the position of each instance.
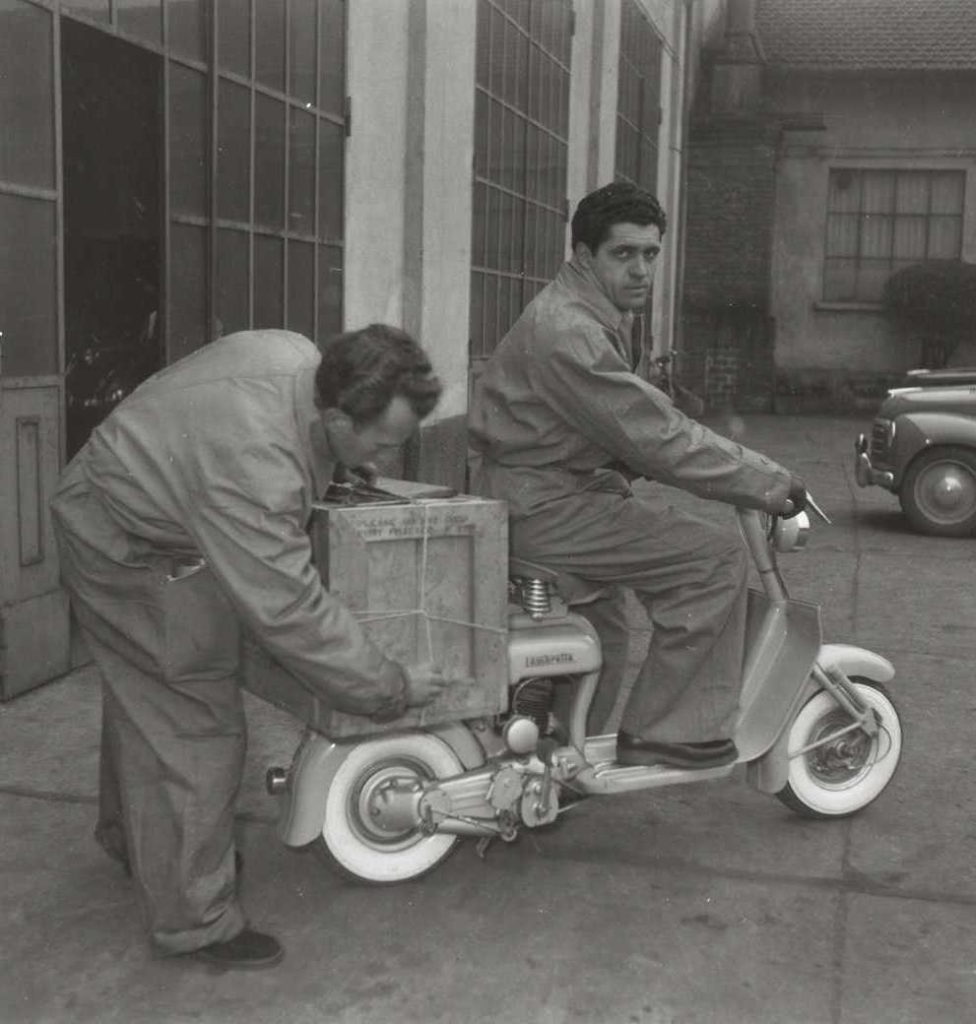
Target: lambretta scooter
(815, 728)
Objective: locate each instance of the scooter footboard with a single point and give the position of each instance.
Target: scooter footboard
(770, 773)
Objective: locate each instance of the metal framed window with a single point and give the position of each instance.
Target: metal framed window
(638, 99)
(31, 296)
(279, 130)
(254, 142)
(520, 164)
(879, 221)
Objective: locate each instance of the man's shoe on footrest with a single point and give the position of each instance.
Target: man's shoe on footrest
(247, 949)
(632, 750)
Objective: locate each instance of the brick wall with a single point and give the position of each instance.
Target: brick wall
(727, 337)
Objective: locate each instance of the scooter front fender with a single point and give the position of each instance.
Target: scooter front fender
(770, 773)
(315, 764)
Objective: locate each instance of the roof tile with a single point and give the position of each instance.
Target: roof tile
(883, 34)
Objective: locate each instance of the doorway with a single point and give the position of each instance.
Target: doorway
(113, 224)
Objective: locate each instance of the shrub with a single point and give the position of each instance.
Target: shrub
(934, 302)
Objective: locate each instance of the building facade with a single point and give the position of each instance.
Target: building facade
(174, 170)
(833, 145)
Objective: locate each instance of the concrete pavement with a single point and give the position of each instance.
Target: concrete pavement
(696, 904)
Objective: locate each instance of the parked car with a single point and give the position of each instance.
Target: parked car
(923, 449)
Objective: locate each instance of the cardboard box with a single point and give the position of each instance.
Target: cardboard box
(428, 580)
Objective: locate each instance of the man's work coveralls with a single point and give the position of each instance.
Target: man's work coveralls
(554, 411)
(181, 519)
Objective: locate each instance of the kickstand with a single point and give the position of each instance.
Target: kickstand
(481, 847)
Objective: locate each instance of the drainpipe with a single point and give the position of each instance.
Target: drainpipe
(684, 116)
(735, 87)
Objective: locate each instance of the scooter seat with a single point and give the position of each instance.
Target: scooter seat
(571, 589)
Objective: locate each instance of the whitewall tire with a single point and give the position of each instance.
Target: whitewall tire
(351, 840)
(847, 773)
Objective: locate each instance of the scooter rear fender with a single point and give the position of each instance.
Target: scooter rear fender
(314, 767)
(770, 773)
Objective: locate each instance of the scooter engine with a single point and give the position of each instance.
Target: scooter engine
(533, 699)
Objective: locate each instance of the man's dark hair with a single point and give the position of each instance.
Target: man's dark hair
(617, 203)
(362, 371)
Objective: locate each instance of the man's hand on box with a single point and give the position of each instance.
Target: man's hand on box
(424, 683)
(365, 473)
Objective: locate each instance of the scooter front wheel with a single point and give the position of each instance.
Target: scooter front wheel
(357, 840)
(838, 777)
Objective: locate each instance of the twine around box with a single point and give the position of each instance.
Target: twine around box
(421, 611)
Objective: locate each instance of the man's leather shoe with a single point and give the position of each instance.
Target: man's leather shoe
(246, 950)
(632, 750)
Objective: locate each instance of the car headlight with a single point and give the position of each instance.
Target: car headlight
(882, 435)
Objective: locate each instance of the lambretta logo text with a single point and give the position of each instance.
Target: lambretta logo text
(540, 660)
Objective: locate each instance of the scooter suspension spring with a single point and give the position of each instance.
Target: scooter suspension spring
(535, 597)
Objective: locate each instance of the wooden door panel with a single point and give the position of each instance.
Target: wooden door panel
(34, 623)
(29, 465)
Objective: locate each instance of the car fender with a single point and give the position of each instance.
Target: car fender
(315, 765)
(770, 772)
(916, 432)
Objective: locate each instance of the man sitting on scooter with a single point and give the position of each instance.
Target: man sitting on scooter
(183, 518)
(559, 425)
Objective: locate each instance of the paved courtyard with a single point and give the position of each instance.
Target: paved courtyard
(696, 905)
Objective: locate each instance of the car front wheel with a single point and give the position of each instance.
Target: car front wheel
(938, 494)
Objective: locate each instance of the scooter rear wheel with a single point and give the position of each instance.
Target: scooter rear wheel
(844, 775)
(354, 840)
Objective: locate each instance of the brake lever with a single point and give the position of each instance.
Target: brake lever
(816, 508)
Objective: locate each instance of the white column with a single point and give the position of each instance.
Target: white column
(606, 111)
(584, 94)
(670, 147)
(438, 174)
(375, 154)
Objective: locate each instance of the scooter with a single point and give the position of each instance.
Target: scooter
(816, 728)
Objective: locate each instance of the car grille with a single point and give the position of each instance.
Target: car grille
(879, 438)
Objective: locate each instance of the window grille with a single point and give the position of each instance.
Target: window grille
(638, 99)
(254, 158)
(879, 221)
(280, 123)
(521, 129)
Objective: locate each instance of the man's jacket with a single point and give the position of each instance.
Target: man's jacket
(557, 404)
(220, 456)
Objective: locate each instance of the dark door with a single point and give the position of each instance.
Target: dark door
(112, 153)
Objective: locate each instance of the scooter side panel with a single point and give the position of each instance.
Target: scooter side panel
(770, 773)
(552, 648)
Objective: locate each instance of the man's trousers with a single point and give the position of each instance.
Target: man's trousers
(173, 726)
(690, 576)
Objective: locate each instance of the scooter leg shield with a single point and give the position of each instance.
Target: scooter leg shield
(770, 773)
(314, 768)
